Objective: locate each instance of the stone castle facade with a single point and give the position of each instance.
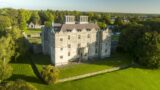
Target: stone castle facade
(74, 41)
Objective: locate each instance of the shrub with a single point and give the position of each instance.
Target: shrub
(19, 85)
(5, 71)
(50, 74)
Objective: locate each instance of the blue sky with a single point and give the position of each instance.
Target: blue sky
(130, 6)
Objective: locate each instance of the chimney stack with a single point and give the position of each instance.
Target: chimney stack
(83, 20)
(69, 19)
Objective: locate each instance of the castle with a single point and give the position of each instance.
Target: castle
(75, 41)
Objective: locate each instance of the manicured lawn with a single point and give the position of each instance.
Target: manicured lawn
(79, 69)
(83, 68)
(134, 78)
(128, 79)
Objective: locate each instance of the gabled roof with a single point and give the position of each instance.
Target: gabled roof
(66, 27)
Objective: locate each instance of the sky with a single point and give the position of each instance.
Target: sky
(124, 6)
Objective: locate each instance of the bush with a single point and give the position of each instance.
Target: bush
(2, 88)
(48, 24)
(5, 71)
(50, 74)
(19, 85)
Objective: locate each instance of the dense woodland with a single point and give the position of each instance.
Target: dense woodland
(140, 37)
(142, 42)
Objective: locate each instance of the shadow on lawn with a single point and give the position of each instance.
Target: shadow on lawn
(115, 60)
(26, 78)
(39, 59)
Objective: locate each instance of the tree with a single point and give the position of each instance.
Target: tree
(107, 19)
(24, 16)
(48, 24)
(35, 18)
(5, 22)
(119, 21)
(13, 15)
(46, 16)
(5, 71)
(12, 45)
(13, 42)
(102, 25)
(19, 85)
(6, 44)
(142, 43)
(149, 54)
(50, 74)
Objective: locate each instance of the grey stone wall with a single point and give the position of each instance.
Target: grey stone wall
(70, 46)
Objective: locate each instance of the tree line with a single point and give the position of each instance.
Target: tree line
(21, 17)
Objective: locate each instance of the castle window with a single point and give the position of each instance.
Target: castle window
(61, 39)
(106, 50)
(69, 30)
(87, 44)
(61, 49)
(79, 52)
(79, 45)
(69, 53)
(69, 37)
(79, 36)
(88, 36)
(96, 43)
(61, 57)
(69, 46)
(88, 29)
(79, 30)
(96, 51)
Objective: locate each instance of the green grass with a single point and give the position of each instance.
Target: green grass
(79, 69)
(128, 79)
(35, 40)
(32, 31)
(134, 78)
(83, 68)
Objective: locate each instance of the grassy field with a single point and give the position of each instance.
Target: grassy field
(128, 79)
(82, 68)
(134, 78)
(35, 40)
(33, 31)
(79, 69)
